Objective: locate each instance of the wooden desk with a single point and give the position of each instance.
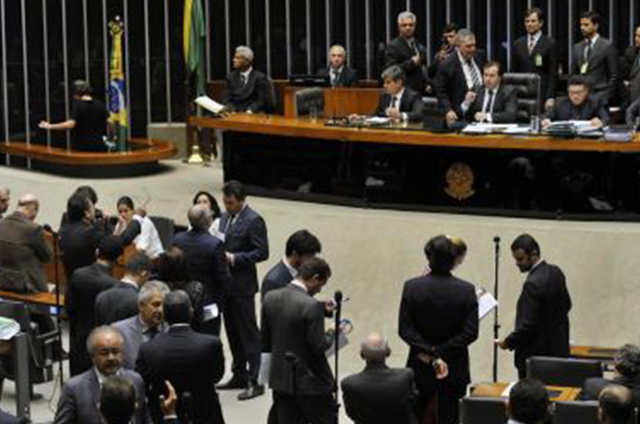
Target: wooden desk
(44, 299)
(497, 389)
(604, 354)
(338, 101)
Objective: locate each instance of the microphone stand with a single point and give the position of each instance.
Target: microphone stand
(336, 335)
(496, 323)
(56, 270)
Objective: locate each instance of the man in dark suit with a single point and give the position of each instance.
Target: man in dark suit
(407, 53)
(632, 117)
(293, 333)
(399, 103)
(536, 53)
(528, 403)
(339, 73)
(578, 106)
(192, 362)
(207, 263)
(630, 72)
(542, 317)
(627, 371)
(85, 286)
(595, 58)
(459, 74)
(24, 250)
(78, 401)
(121, 302)
(447, 48)
(615, 405)
(247, 90)
(144, 326)
(5, 199)
(301, 245)
(439, 320)
(494, 102)
(245, 244)
(379, 394)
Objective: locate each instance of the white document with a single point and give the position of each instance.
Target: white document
(518, 131)
(507, 391)
(378, 120)
(208, 103)
(211, 311)
(265, 368)
(487, 128)
(577, 124)
(8, 328)
(486, 304)
(342, 342)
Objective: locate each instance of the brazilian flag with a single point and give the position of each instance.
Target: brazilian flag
(194, 38)
(118, 113)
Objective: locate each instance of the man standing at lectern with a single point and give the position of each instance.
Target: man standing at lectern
(542, 317)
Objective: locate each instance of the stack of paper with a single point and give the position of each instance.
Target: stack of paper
(209, 104)
(487, 128)
(8, 328)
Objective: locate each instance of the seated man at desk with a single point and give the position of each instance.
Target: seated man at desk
(339, 73)
(247, 90)
(399, 103)
(493, 102)
(578, 106)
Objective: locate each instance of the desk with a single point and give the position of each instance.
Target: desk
(604, 354)
(408, 168)
(43, 299)
(497, 389)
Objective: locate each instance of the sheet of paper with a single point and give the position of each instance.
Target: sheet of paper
(378, 120)
(265, 368)
(507, 391)
(209, 104)
(342, 342)
(211, 311)
(8, 328)
(486, 303)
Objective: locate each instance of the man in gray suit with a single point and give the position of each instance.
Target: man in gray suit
(245, 244)
(293, 333)
(144, 326)
(595, 58)
(78, 401)
(24, 249)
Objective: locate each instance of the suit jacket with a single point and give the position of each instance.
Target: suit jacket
(439, 315)
(564, 110)
(131, 329)
(451, 84)
(380, 395)
(410, 103)
(192, 362)
(255, 95)
(398, 52)
(84, 287)
(24, 251)
(293, 322)
(246, 239)
(543, 60)
(631, 72)
(277, 277)
(602, 71)
(206, 263)
(9, 419)
(505, 105)
(592, 387)
(117, 303)
(80, 395)
(347, 78)
(542, 316)
(633, 112)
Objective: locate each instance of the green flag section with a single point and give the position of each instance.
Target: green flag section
(194, 38)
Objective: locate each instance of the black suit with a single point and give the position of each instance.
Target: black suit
(207, 264)
(399, 52)
(192, 362)
(592, 387)
(602, 69)
(633, 112)
(254, 96)
(246, 239)
(293, 323)
(543, 60)
(410, 103)
(348, 77)
(380, 395)
(9, 419)
(451, 85)
(84, 287)
(277, 277)
(631, 72)
(542, 317)
(505, 105)
(439, 316)
(116, 304)
(564, 110)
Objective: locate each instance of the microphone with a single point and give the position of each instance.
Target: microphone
(496, 239)
(338, 296)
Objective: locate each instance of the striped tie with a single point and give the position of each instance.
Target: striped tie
(474, 74)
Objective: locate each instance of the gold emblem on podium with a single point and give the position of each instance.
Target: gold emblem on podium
(460, 180)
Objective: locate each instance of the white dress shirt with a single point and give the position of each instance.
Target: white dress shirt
(467, 71)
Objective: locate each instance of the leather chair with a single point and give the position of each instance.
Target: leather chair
(483, 410)
(526, 86)
(567, 372)
(576, 412)
(166, 230)
(308, 98)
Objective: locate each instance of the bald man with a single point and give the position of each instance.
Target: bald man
(24, 249)
(379, 394)
(5, 198)
(615, 405)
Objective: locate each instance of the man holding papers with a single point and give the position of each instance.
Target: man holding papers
(578, 106)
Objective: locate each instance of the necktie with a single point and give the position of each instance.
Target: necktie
(532, 43)
(587, 51)
(336, 75)
(394, 101)
(489, 103)
(243, 78)
(229, 223)
(474, 75)
(151, 333)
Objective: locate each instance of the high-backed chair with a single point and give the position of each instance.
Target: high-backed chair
(166, 229)
(308, 98)
(567, 372)
(526, 86)
(483, 410)
(576, 412)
